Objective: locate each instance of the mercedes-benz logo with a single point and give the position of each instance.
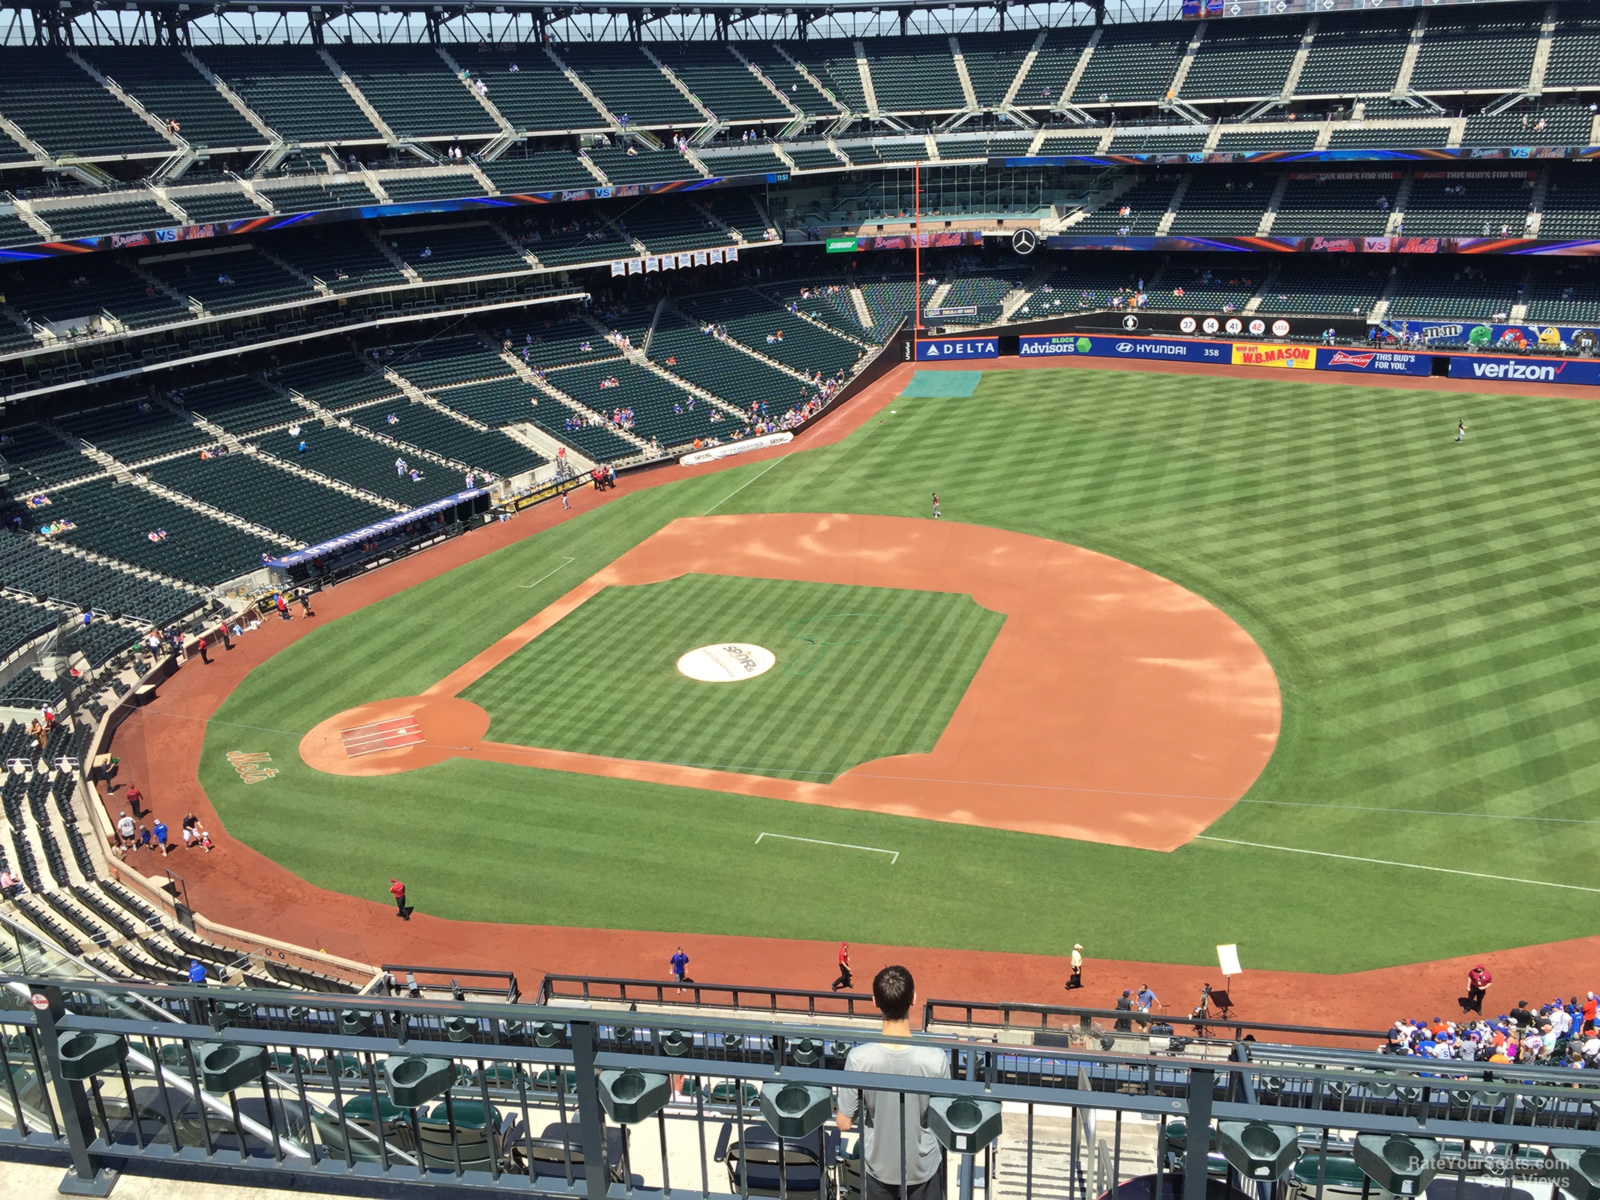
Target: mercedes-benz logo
(1024, 241)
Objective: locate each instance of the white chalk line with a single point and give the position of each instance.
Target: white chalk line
(1384, 862)
(566, 562)
(744, 485)
(894, 855)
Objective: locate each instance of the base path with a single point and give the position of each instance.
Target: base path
(160, 748)
(1114, 705)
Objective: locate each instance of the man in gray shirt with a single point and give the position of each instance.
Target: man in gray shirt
(883, 1157)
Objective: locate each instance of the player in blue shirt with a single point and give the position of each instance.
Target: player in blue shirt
(680, 969)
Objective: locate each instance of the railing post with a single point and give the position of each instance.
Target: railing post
(1197, 1132)
(86, 1178)
(591, 1117)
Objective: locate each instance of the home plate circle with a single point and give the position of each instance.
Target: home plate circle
(726, 662)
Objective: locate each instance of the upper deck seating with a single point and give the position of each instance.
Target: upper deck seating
(993, 60)
(415, 92)
(832, 62)
(167, 84)
(536, 97)
(1133, 62)
(1247, 60)
(915, 74)
(629, 84)
(1052, 68)
(292, 90)
(1487, 49)
(1355, 54)
(793, 83)
(63, 108)
(720, 81)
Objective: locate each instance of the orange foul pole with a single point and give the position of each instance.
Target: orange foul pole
(916, 249)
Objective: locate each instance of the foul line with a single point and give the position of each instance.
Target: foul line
(742, 487)
(1384, 862)
(564, 563)
(894, 855)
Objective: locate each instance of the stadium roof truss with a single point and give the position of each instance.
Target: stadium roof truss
(179, 22)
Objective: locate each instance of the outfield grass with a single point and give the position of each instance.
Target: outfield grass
(1432, 611)
(881, 673)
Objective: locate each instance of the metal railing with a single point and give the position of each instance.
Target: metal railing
(560, 1102)
(1068, 1020)
(600, 989)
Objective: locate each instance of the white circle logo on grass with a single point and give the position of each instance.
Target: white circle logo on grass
(727, 662)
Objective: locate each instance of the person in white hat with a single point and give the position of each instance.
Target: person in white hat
(1077, 968)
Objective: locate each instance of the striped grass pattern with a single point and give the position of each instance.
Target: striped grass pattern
(819, 711)
(1432, 610)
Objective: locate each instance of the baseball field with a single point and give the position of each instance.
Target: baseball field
(1426, 614)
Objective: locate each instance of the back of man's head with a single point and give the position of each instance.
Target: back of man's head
(893, 990)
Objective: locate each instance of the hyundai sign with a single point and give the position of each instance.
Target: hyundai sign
(1098, 346)
(940, 349)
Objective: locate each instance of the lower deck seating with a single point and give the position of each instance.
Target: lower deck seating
(826, 300)
(659, 408)
(337, 382)
(889, 301)
(21, 622)
(774, 332)
(1224, 287)
(240, 405)
(599, 442)
(29, 565)
(268, 496)
(1479, 289)
(340, 454)
(448, 361)
(134, 432)
(1344, 286)
(428, 429)
(116, 520)
(498, 402)
(680, 347)
(1570, 294)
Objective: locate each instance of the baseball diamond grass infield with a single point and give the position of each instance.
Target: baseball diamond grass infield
(862, 673)
(1431, 609)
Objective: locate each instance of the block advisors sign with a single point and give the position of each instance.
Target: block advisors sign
(1061, 345)
(943, 348)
